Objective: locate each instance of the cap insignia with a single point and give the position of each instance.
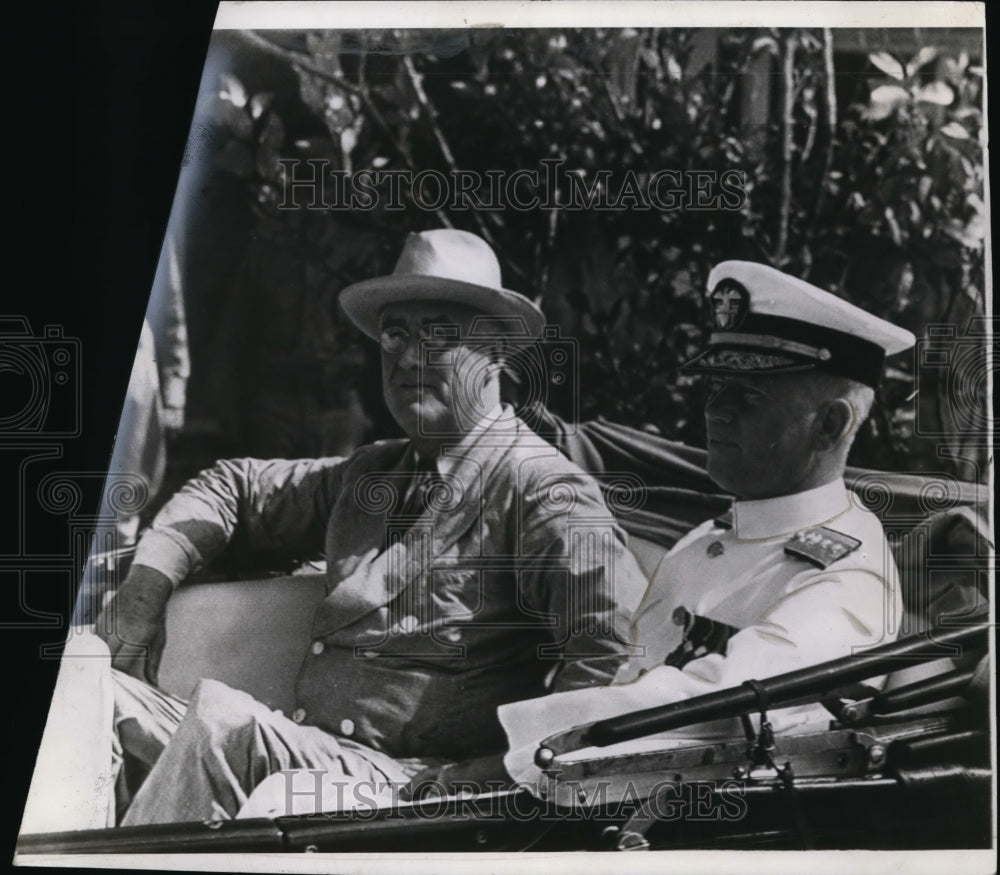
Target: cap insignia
(730, 302)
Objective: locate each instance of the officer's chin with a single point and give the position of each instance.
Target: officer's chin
(723, 473)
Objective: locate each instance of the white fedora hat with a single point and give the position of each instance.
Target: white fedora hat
(441, 265)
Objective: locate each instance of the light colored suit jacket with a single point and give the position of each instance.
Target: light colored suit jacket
(515, 574)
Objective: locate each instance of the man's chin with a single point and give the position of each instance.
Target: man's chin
(420, 422)
(437, 428)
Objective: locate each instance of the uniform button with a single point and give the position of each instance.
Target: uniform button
(318, 647)
(347, 726)
(299, 714)
(453, 634)
(408, 624)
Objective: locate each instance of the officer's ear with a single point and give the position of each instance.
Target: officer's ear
(837, 421)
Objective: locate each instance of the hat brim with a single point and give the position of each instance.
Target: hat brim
(364, 301)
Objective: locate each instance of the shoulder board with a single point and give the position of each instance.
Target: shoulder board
(821, 546)
(725, 521)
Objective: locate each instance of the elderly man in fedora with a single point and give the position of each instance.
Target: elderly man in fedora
(462, 570)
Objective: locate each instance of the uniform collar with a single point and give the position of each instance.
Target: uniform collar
(773, 517)
(446, 460)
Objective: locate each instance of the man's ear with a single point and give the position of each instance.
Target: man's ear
(836, 421)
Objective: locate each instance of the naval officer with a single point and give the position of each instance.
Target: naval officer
(798, 571)
(462, 571)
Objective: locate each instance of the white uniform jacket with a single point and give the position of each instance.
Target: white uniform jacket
(772, 586)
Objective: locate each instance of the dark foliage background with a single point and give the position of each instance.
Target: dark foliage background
(863, 173)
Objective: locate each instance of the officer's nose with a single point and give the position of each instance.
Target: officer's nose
(718, 404)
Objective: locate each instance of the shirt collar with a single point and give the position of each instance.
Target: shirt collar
(451, 453)
(787, 514)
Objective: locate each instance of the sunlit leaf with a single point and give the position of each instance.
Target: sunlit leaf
(968, 235)
(924, 56)
(232, 90)
(955, 131)
(348, 140)
(890, 218)
(765, 43)
(935, 92)
(259, 104)
(885, 100)
(887, 64)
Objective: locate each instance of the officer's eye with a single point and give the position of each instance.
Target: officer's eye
(752, 397)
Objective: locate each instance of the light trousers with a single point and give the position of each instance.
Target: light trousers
(207, 757)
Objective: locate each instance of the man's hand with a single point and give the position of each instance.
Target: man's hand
(470, 777)
(132, 622)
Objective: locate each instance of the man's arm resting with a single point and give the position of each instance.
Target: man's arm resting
(279, 505)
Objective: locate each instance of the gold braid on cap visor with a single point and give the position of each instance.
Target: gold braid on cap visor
(744, 360)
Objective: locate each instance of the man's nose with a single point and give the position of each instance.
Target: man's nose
(409, 358)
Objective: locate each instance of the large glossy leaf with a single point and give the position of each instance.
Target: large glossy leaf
(885, 100)
(955, 130)
(920, 59)
(888, 64)
(935, 92)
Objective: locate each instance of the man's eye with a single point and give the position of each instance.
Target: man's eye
(438, 336)
(394, 340)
